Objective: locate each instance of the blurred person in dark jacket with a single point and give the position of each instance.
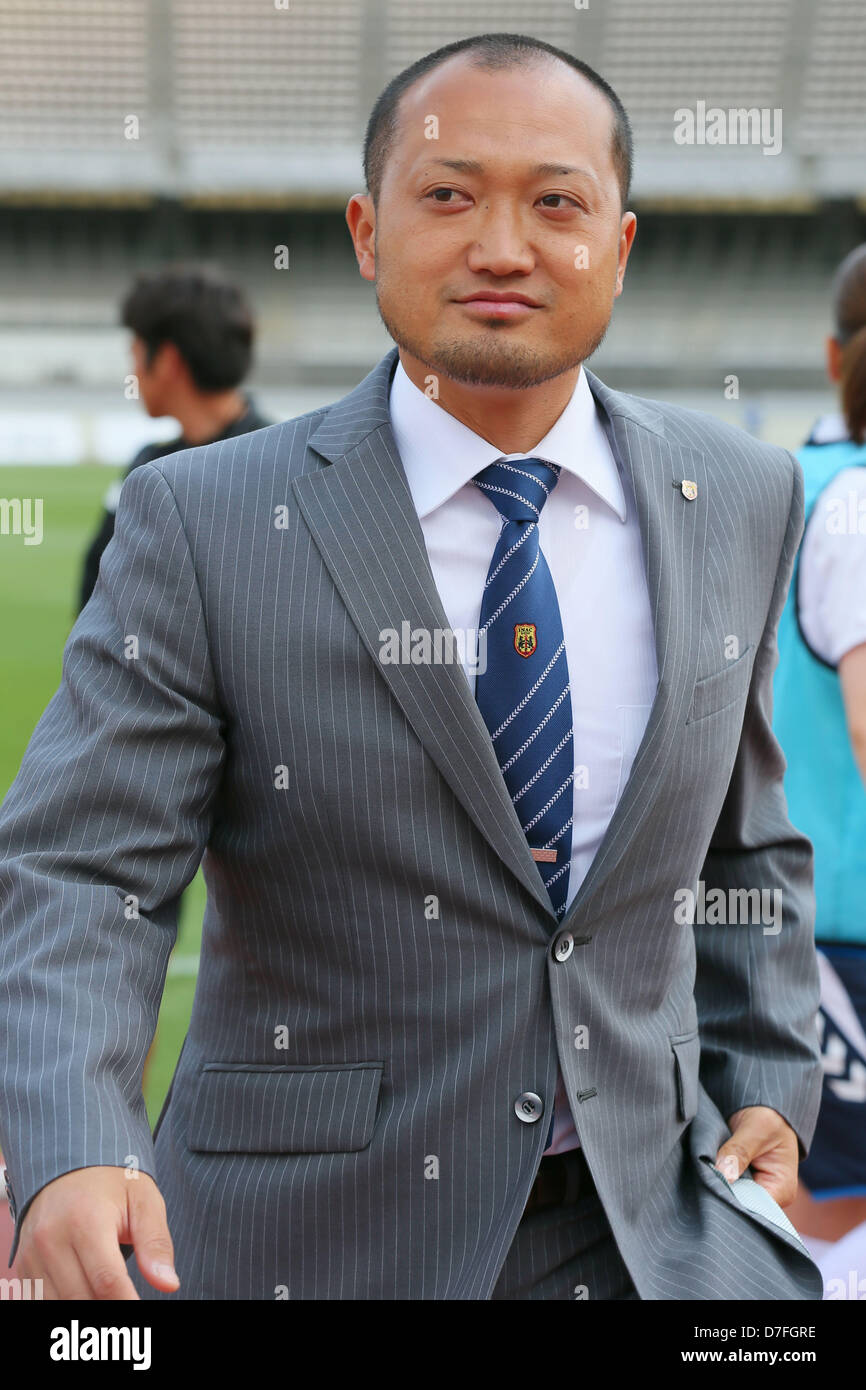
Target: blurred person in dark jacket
(192, 346)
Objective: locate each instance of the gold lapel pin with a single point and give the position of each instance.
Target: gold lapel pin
(689, 489)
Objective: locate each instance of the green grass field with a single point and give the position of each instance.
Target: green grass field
(39, 588)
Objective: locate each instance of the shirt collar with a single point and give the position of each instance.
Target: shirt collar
(440, 454)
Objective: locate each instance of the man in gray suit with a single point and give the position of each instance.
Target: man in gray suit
(402, 970)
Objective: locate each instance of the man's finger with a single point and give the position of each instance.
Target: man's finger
(49, 1293)
(748, 1140)
(68, 1279)
(760, 1141)
(736, 1154)
(99, 1253)
(151, 1239)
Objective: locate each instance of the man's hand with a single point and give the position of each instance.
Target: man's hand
(74, 1227)
(762, 1138)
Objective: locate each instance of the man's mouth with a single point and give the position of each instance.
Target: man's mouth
(500, 304)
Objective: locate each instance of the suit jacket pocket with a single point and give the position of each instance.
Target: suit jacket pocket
(721, 689)
(687, 1056)
(248, 1107)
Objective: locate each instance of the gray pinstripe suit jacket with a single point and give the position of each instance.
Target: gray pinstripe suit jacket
(341, 1123)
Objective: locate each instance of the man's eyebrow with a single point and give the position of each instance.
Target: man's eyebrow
(473, 166)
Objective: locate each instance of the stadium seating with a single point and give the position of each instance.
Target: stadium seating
(133, 131)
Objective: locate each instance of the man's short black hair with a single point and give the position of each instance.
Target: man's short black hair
(202, 313)
(491, 53)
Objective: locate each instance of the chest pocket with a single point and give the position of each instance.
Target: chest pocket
(722, 688)
(258, 1108)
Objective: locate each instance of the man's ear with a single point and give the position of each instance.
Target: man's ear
(168, 362)
(361, 221)
(627, 228)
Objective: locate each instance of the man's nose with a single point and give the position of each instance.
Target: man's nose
(501, 246)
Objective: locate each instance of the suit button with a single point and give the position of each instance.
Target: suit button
(529, 1107)
(563, 946)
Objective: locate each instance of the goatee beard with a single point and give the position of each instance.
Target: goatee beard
(488, 362)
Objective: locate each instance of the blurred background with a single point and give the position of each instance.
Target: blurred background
(135, 132)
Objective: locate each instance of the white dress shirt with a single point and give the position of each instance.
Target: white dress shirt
(590, 537)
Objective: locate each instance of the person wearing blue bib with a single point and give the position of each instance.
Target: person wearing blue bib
(819, 701)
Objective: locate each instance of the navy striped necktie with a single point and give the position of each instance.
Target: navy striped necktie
(523, 690)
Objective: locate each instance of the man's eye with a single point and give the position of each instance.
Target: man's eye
(558, 195)
(434, 191)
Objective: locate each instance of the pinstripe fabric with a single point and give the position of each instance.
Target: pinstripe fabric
(564, 1253)
(376, 985)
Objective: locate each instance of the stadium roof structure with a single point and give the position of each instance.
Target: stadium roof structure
(257, 101)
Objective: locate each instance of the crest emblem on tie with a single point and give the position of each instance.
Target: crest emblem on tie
(525, 639)
(689, 489)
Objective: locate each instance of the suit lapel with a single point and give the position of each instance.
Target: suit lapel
(362, 517)
(360, 512)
